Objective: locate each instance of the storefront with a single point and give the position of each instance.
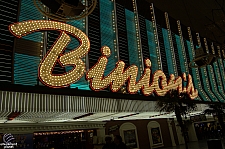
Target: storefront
(154, 133)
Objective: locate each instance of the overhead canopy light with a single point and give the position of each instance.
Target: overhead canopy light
(13, 115)
(67, 8)
(82, 116)
(202, 58)
(54, 5)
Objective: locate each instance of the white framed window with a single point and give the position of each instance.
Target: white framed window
(128, 132)
(155, 134)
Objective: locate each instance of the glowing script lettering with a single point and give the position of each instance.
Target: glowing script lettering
(118, 76)
(72, 58)
(116, 79)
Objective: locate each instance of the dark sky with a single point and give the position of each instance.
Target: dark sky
(206, 17)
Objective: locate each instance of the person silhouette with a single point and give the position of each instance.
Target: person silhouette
(119, 143)
(109, 144)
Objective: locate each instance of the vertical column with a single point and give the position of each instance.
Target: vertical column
(165, 50)
(177, 52)
(179, 133)
(43, 49)
(144, 37)
(138, 36)
(133, 41)
(84, 27)
(212, 78)
(108, 33)
(94, 34)
(171, 60)
(101, 135)
(162, 38)
(204, 76)
(163, 41)
(182, 53)
(223, 55)
(191, 132)
(44, 41)
(122, 34)
(171, 132)
(86, 31)
(196, 76)
(115, 29)
(186, 43)
(152, 46)
(154, 26)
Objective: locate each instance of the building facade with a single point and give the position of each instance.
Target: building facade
(133, 30)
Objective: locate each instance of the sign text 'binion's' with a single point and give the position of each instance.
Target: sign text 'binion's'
(115, 80)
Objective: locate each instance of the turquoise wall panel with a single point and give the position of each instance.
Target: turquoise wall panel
(29, 12)
(26, 69)
(168, 51)
(108, 35)
(132, 41)
(152, 46)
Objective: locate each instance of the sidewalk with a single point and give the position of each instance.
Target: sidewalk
(193, 145)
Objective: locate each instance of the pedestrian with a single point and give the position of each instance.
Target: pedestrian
(119, 143)
(109, 144)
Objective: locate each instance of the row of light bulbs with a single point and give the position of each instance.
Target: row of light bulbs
(182, 47)
(138, 35)
(171, 44)
(55, 133)
(156, 37)
(115, 41)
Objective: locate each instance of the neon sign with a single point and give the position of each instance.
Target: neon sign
(115, 80)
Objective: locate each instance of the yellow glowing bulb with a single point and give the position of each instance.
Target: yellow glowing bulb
(72, 58)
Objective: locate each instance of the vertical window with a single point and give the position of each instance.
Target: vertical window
(128, 132)
(155, 134)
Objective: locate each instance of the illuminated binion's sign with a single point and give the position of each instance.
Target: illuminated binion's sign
(115, 80)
